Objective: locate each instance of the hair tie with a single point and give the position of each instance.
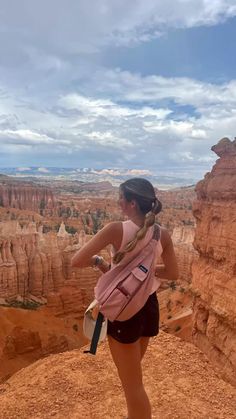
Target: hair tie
(156, 206)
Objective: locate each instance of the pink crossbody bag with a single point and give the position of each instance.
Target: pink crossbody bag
(123, 290)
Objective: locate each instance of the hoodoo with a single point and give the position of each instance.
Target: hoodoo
(214, 274)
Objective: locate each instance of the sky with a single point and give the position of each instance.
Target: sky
(115, 84)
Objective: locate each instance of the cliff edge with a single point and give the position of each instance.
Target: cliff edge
(178, 377)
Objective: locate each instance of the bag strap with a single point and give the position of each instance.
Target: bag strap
(96, 334)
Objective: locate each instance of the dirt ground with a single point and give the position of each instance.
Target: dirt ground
(179, 379)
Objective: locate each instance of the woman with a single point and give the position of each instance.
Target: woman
(128, 340)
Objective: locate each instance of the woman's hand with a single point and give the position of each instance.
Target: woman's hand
(94, 260)
(100, 263)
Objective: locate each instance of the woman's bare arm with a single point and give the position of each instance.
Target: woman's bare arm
(110, 234)
(170, 268)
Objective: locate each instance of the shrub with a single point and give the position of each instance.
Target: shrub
(46, 229)
(177, 328)
(26, 305)
(75, 327)
(173, 285)
(70, 229)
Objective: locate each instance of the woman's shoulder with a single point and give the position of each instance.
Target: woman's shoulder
(110, 229)
(113, 226)
(119, 226)
(121, 232)
(114, 232)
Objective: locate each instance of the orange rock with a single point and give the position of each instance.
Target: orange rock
(26, 196)
(186, 254)
(38, 264)
(21, 341)
(214, 274)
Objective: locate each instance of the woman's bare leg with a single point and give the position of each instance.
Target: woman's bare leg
(127, 358)
(143, 345)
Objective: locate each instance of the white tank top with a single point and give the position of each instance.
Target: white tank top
(129, 231)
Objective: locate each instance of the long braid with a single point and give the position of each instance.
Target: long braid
(141, 233)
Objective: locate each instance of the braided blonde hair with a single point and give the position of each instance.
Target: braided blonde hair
(141, 191)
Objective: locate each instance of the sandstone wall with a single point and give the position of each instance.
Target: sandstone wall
(40, 264)
(214, 275)
(37, 264)
(27, 197)
(185, 253)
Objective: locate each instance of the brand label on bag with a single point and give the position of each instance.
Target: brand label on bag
(145, 270)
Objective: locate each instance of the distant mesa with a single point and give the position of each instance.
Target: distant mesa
(23, 169)
(90, 175)
(43, 170)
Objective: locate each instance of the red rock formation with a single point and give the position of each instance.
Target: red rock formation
(178, 198)
(69, 300)
(33, 261)
(186, 254)
(40, 264)
(21, 341)
(27, 335)
(176, 311)
(214, 275)
(26, 196)
(37, 264)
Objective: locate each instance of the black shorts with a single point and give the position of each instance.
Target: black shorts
(143, 323)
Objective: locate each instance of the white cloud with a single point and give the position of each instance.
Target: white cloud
(70, 27)
(182, 156)
(179, 128)
(117, 118)
(207, 159)
(108, 139)
(57, 101)
(28, 137)
(123, 85)
(90, 107)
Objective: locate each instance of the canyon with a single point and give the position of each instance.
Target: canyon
(42, 298)
(82, 206)
(35, 272)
